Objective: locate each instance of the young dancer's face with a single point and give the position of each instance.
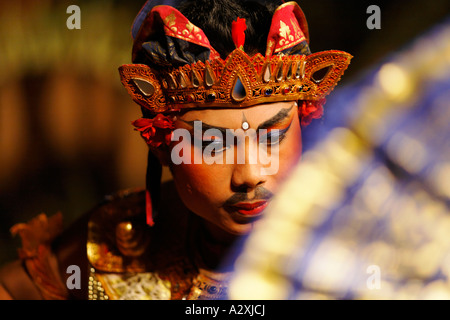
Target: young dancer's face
(235, 161)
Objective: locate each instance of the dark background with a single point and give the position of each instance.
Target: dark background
(65, 134)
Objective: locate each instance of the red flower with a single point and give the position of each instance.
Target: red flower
(155, 131)
(238, 28)
(311, 110)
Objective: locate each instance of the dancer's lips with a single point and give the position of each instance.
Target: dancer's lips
(250, 209)
(243, 209)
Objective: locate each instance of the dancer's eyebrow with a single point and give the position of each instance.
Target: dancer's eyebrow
(206, 126)
(280, 116)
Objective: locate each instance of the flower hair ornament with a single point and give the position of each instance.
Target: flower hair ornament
(175, 68)
(155, 131)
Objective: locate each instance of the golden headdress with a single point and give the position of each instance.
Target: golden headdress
(175, 68)
(239, 80)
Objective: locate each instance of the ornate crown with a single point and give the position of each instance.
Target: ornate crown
(239, 80)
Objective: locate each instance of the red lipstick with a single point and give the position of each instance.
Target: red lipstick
(250, 209)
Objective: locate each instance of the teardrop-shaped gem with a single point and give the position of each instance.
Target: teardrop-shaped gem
(144, 86)
(280, 72)
(182, 80)
(209, 77)
(194, 79)
(266, 73)
(289, 73)
(171, 81)
(239, 92)
(300, 70)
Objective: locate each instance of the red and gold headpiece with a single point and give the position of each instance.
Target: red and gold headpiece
(208, 81)
(176, 68)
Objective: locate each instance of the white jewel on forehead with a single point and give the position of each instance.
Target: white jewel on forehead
(245, 125)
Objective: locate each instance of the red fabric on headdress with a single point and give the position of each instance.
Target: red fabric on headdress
(288, 28)
(175, 25)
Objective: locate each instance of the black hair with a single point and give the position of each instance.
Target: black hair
(215, 17)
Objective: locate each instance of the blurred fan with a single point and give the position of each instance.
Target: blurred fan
(365, 215)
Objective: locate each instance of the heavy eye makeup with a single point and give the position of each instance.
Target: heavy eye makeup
(214, 139)
(215, 144)
(270, 133)
(274, 136)
(270, 138)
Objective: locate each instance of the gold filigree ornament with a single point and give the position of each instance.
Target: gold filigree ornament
(239, 81)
